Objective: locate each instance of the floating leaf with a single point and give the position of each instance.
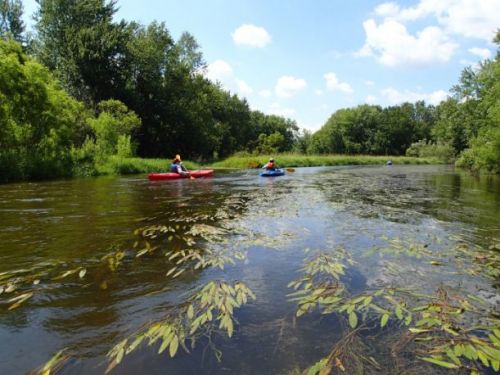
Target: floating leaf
(190, 312)
(353, 319)
(440, 363)
(384, 320)
(174, 345)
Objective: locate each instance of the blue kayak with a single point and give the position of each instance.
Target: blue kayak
(273, 173)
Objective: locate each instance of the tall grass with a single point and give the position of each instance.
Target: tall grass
(117, 165)
(299, 160)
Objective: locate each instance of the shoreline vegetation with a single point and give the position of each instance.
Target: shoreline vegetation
(123, 166)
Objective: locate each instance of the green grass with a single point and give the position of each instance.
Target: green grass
(299, 160)
(121, 166)
(117, 165)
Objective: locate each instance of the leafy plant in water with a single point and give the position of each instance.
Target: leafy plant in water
(445, 331)
(210, 308)
(53, 365)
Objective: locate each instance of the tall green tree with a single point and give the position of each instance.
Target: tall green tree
(39, 121)
(11, 23)
(79, 41)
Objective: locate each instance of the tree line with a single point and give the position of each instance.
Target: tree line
(465, 127)
(82, 87)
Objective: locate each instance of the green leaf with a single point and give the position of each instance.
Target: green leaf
(190, 312)
(399, 313)
(174, 345)
(440, 363)
(483, 358)
(384, 320)
(353, 319)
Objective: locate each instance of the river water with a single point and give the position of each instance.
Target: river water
(94, 255)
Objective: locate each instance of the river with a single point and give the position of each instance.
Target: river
(91, 263)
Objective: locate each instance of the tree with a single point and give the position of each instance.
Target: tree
(80, 43)
(39, 122)
(11, 23)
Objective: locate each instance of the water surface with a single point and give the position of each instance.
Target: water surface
(392, 221)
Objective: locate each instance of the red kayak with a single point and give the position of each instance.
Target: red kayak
(176, 176)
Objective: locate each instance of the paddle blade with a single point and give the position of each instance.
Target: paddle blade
(290, 170)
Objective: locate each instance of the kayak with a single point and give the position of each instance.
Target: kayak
(176, 176)
(273, 173)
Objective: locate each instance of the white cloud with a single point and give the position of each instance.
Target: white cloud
(265, 93)
(243, 87)
(392, 44)
(288, 86)
(279, 110)
(333, 84)
(369, 83)
(394, 96)
(370, 99)
(387, 9)
(470, 18)
(251, 35)
(318, 92)
(483, 53)
(220, 71)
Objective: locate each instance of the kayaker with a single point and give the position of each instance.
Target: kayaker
(177, 167)
(270, 166)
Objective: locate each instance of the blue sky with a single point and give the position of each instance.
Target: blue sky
(306, 59)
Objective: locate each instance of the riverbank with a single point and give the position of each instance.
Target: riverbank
(298, 160)
(115, 165)
(137, 165)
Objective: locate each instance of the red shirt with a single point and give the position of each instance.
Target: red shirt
(270, 165)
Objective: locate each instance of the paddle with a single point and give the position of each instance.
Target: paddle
(290, 170)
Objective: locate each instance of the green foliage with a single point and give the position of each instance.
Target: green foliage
(372, 130)
(113, 127)
(210, 308)
(84, 48)
(427, 149)
(245, 160)
(39, 121)
(11, 23)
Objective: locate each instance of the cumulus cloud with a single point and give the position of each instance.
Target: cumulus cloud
(251, 35)
(483, 53)
(279, 110)
(222, 72)
(394, 96)
(387, 9)
(333, 84)
(470, 18)
(392, 44)
(370, 99)
(288, 86)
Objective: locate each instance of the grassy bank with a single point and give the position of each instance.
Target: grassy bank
(298, 160)
(122, 166)
(116, 166)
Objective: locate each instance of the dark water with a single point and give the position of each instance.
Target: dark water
(47, 229)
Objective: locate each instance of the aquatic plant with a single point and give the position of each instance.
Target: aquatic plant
(210, 309)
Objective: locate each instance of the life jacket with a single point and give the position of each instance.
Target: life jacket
(270, 165)
(174, 168)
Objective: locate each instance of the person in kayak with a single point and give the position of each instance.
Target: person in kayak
(177, 167)
(270, 166)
